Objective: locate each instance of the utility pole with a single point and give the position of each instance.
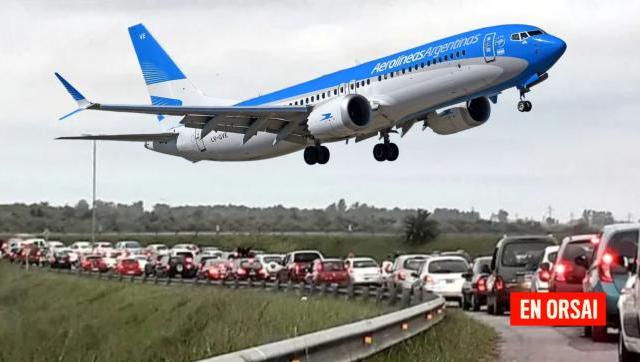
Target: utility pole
(93, 203)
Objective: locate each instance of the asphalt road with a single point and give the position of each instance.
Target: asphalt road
(566, 344)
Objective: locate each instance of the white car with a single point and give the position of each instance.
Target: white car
(442, 275)
(192, 247)
(111, 258)
(404, 268)
(272, 263)
(55, 244)
(81, 247)
(102, 247)
(363, 271)
(540, 281)
(158, 249)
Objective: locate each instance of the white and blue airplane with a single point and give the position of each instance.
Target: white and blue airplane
(447, 85)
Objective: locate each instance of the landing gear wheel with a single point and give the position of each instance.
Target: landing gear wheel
(311, 155)
(524, 106)
(323, 155)
(380, 152)
(392, 151)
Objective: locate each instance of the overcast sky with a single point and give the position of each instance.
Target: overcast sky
(577, 149)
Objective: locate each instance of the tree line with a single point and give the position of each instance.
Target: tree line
(336, 217)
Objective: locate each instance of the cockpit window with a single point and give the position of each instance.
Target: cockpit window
(523, 36)
(535, 32)
(515, 36)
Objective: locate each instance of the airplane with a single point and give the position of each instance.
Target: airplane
(448, 85)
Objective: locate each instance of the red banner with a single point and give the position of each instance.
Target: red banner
(558, 309)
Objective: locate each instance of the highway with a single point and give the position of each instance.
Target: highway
(566, 344)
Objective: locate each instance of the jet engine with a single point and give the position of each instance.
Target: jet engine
(340, 117)
(458, 119)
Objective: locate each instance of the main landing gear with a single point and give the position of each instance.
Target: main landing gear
(524, 105)
(386, 151)
(316, 154)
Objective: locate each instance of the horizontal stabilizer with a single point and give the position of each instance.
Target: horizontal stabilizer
(163, 137)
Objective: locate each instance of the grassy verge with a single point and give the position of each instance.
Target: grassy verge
(458, 338)
(376, 246)
(51, 317)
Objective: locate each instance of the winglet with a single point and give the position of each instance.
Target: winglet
(82, 102)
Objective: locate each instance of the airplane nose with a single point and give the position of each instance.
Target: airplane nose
(557, 47)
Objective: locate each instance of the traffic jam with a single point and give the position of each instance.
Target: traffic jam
(521, 268)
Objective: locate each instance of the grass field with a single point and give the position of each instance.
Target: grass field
(376, 246)
(457, 338)
(49, 317)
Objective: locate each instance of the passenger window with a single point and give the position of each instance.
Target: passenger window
(341, 90)
(379, 78)
(351, 86)
(417, 67)
(385, 76)
(428, 63)
(322, 95)
(403, 71)
(368, 81)
(421, 65)
(445, 58)
(457, 54)
(392, 74)
(464, 52)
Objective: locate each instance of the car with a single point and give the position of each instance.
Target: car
(540, 281)
(272, 263)
(328, 271)
(461, 253)
(443, 276)
(128, 267)
(111, 258)
(142, 259)
(128, 246)
(297, 264)
(404, 266)
(513, 264)
(607, 272)
(192, 247)
(174, 265)
(59, 259)
(102, 247)
(248, 268)
(474, 289)
(54, 244)
(215, 269)
(629, 311)
(157, 249)
(93, 263)
(363, 271)
(566, 275)
(78, 249)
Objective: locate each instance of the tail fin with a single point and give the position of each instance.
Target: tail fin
(166, 83)
(82, 102)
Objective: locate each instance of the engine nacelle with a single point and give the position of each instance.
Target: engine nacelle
(458, 119)
(340, 117)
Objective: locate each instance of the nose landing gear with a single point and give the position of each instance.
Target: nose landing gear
(386, 151)
(316, 154)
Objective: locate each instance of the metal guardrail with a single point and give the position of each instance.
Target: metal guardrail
(350, 342)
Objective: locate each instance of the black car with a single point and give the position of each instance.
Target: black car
(60, 260)
(474, 289)
(177, 265)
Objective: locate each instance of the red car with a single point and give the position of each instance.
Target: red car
(328, 271)
(249, 268)
(94, 263)
(566, 275)
(215, 269)
(128, 266)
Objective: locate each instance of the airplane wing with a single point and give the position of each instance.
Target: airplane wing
(164, 137)
(287, 122)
